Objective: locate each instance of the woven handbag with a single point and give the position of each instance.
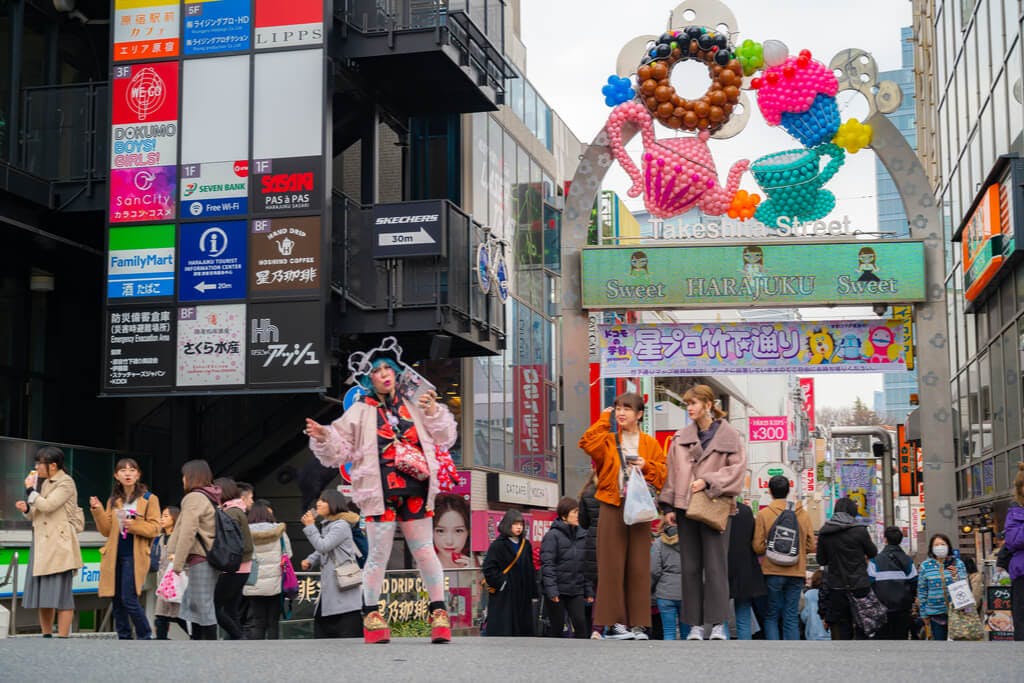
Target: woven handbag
(711, 511)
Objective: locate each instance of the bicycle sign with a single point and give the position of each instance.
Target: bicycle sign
(491, 266)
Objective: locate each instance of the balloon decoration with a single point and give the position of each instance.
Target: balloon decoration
(853, 136)
(675, 175)
(617, 91)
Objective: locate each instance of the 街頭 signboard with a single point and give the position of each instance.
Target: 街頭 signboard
(216, 190)
(287, 185)
(211, 345)
(140, 262)
(285, 256)
(718, 276)
(289, 24)
(213, 26)
(408, 229)
(145, 29)
(284, 343)
(768, 428)
(140, 348)
(212, 259)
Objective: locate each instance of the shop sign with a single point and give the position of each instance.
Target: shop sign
(409, 229)
(213, 26)
(140, 348)
(751, 229)
(289, 24)
(285, 185)
(211, 345)
(982, 245)
(768, 428)
(765, 474)
(144, 94)
(999, 618)
(140, 195)
(841, 346)
(141, 145)
(753, 275)
(809, 481)
(86, 580)
(907, 464)
(212, 261)
(531, 418)
(905, 314)
(140, 262)
(285, 256)
(216, 190)
(509, 488)
(284, 343)
(145, 29)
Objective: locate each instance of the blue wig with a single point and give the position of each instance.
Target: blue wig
(364, 380)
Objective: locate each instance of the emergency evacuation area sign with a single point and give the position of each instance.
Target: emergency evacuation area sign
(409, 229)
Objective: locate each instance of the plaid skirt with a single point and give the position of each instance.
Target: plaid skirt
(197, 603)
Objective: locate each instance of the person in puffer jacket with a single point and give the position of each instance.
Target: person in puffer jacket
(563, 557)
(271, 548)
(894, 577)
(667, 581)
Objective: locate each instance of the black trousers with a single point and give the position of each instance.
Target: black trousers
(265, 612)
(573, 608)
(896, 627)
(1017, 605)
(344, 625)
(163, 626)
(227, 599)
(204, 632)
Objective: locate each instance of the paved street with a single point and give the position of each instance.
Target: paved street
(507, 659)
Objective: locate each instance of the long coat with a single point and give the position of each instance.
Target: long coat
(332, 545)
(722, 466)
(145, 528)
(55, 539)
(510, 609)
(745, 579)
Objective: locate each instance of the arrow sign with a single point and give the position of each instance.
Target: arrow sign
(387, 239)
(203, 287)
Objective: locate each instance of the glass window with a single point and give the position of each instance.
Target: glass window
(508, 186)
(530, 107)
(481, 412)
(5, 82)
(987, 42)
(985, 401)
(1011, 381)
(999, 103)
(970, 57)
(481, 171)
(516, 88)
(998, 396)
(495, 171)
(1013, 75)
(1006, 299)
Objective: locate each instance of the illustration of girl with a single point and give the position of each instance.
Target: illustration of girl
(866, 265)
(638, 264)
(753, 262)
(451, 531)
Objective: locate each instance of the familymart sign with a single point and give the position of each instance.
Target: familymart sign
(753, 275)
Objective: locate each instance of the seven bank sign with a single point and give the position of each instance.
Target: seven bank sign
(215, 190)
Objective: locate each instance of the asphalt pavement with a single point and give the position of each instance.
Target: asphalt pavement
(83, 660)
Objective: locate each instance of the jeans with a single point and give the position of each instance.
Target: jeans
(671, 627)
(127, 610)
(783, 601)
(743, 609)
(939, 631)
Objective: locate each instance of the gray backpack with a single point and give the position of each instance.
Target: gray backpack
(784, 539)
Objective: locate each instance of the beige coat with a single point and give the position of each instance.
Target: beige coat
(144, 530)
(197, 518)
(722, 466)
(56, 542)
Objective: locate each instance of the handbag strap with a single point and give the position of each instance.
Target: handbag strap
(522, 544)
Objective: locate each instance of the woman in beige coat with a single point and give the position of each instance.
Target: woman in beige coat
(52, 505)
(130, 521)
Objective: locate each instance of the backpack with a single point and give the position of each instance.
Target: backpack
(225, 553)
(784, 539)
(1003, 558)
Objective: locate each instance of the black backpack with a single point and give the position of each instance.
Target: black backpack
(225, 553)
(784, 539)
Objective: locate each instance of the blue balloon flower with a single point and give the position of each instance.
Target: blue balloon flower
(617, 91)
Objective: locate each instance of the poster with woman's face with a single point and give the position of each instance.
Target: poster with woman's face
(451, 531)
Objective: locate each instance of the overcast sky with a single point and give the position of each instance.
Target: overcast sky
(573, 46)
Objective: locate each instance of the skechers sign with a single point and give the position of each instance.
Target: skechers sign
(408, 229)
(216, 190)
(753, 275)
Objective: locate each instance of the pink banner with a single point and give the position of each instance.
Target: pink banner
(531, 418)
(485, 526)
(807, 396)
(763, 428)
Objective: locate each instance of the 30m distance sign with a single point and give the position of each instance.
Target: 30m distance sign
(408, 229)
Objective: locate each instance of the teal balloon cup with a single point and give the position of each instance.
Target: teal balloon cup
(792, 181)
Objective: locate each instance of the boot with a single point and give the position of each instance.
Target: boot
(440, 627)
(375, 629)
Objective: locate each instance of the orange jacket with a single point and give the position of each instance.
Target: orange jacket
(599, 443)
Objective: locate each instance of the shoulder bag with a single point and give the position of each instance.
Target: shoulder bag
(869, 614)
(491, 589)
(348, 573)
(711, 511)
(963, 625)
(289, 582)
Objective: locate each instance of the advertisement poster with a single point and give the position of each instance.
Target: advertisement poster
(85, 580)
(807, 394)
(145, 29)
(721, 276)
(485, 526)
(531, 419)
(140, 262)
(213, 26)
(292, 23)
(286, 185)
(285, 344)
(285, 256)
(144, 93)
(999, 618)
(211, 345)
(212, 259)
(855, 480)
(217, 190)
(764, 475)
(764, 428)
(140, 145)
(632, 350)
(142, 195)
(140, 348)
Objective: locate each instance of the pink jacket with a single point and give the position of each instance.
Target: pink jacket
(353, 437)
(723, 466)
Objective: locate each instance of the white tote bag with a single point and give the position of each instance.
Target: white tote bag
(639, 505)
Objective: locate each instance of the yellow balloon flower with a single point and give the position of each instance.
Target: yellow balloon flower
(853, 136)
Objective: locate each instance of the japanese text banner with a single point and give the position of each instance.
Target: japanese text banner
(747, 348)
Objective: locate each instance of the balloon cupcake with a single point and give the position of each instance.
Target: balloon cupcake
(799, 94)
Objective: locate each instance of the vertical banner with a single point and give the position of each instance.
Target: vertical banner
(856, 480)
(905, 314)
(807, 396)
(907, 464)
(531, 419)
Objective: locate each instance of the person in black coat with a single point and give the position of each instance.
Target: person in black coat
(590, 510)
(509, 573)
(562, 557)
(844, 548)
(746, 583)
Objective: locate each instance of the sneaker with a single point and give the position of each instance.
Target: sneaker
(620, 632)
(696, 633)
(718, 632)
(596, 635)
(639, 633)
(375, 629)
(440, 627)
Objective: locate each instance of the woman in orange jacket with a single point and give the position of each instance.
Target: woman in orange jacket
(623, 552)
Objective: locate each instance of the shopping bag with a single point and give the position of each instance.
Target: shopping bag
(172, 586)
(639, 505)
(960, 594)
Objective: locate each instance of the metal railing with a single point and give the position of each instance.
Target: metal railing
(12, 578)
(64, 132)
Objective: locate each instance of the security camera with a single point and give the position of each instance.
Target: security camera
(879, 309)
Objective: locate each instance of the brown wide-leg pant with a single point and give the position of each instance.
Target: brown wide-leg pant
(623, 570)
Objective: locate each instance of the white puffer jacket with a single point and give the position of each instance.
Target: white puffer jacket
(266, 549)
